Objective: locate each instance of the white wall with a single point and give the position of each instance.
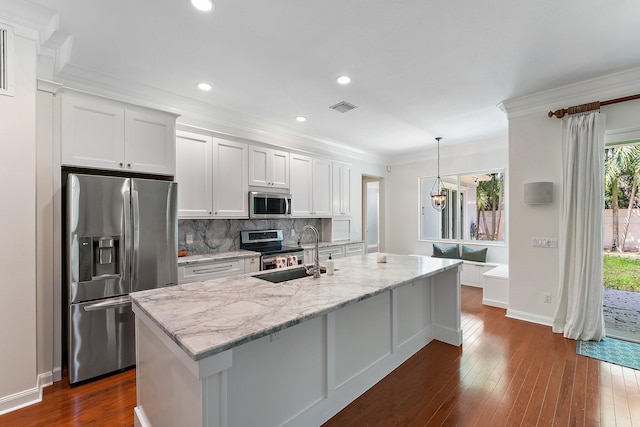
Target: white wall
(17, 228)
(403, 191)
(535, 155)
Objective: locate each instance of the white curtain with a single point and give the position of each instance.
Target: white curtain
(579, 313)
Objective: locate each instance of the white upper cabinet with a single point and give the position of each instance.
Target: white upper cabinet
(149, 141)
(194, 164)
(268, 167)
(105, 134)
(301, 185)
(322, 188)
(311, 186)
(230, 179)
(341, 189)
(212, 176)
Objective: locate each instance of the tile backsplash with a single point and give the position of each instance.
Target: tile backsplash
(221, 235)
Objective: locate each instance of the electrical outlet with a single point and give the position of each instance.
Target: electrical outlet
(547, 298)
(293, 232)
(189, 239)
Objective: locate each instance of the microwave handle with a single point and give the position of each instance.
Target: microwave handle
(286, 206)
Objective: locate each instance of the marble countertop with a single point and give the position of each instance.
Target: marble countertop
(206, 318)
(196, 259)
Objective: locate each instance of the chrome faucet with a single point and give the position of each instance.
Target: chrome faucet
(315, 270)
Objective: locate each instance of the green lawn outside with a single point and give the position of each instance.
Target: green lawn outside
(622, 273)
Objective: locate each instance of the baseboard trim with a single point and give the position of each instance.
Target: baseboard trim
(57, 374)
(529, 317)
(27, 397)
(495, 303)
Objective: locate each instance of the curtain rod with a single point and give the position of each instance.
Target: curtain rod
(589, 106)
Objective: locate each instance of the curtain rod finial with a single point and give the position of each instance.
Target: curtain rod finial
(558, 113)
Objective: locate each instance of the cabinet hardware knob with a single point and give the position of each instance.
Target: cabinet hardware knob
(121, 164)
(128, 165)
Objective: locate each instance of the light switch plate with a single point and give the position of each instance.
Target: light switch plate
(189, 239)
(544, 242)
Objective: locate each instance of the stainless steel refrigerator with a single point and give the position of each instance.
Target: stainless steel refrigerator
(120, 237)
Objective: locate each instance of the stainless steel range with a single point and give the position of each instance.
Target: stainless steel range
(269, 243)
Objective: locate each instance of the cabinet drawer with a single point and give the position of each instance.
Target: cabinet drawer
(210, 270)
(354, 249)
(334, 251)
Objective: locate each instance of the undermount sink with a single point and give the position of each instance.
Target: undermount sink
(277, 276)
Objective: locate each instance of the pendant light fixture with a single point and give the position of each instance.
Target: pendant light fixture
(438, 194)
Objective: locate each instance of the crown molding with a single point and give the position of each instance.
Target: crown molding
(206, 116)
(29, 20)
(498, 144)
(611, 86)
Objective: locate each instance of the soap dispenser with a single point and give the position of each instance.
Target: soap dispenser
(330, 266)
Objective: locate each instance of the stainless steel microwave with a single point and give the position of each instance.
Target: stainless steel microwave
(269, 205)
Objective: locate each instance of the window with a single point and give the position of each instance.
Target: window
(474, 209)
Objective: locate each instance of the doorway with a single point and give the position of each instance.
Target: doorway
(621, 293)
(371, 213)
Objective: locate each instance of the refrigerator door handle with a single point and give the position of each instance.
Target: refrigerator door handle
(135, 205)
(109, 304)
(126, 231)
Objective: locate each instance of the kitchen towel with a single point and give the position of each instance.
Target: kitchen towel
(293, 260)
(281, 262)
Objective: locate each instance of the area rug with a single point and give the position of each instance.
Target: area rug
(611, 350)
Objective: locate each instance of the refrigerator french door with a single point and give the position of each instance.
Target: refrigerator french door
(121, 237)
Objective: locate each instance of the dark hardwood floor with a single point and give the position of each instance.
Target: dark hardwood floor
(507, 373)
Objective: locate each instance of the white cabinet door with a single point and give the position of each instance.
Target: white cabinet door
(322, 188)
(252, 265)
(341, 189)
(194, 161)
(230, 179)
(92, 131)
(259, 166)
(105, 134)
(301, 185)
(149, 141)
(268, 168)
(279, 169)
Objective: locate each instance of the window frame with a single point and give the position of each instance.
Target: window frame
(425, 183)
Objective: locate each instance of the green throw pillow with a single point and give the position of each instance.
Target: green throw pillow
(450, 252)
(478, 255)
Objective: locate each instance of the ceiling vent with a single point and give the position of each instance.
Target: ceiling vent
(6, 61)
(343, 107)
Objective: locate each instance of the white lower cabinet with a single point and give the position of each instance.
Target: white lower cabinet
(252, 265)
(337, 251)
(210, 270)
(354, 249)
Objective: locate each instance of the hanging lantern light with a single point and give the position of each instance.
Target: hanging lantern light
(438, 194)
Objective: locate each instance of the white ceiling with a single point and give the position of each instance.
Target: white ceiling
(420, 68)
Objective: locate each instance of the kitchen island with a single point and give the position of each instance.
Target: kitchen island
(242, 351)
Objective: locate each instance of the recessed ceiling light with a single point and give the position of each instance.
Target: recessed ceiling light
(301, 118)
(203, 5)
(344, 80)
(204, 86)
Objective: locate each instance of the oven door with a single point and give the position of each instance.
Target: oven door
(269, 205)
(270, 262)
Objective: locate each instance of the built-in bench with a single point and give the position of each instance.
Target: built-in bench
(492, 277)
(495, 290)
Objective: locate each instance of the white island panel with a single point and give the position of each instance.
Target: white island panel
(363, 336)
(275, 378)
